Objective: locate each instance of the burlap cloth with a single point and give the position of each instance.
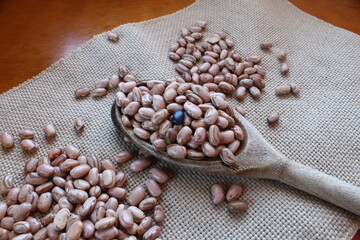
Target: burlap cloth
(320, 128)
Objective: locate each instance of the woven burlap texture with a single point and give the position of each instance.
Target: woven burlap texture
(320, 128)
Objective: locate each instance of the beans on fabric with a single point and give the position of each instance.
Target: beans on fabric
(86, 196)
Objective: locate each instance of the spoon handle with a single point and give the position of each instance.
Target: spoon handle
(319, 184)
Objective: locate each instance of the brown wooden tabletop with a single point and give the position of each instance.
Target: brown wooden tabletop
(36, 33)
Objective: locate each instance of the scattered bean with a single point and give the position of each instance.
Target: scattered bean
(217, 193)
(238, 206)
(112, 36)
(282, 55)
(273, 117)
(295, 88)
(234, 193)
(27, 133)
(266, 45)
(82, 92)
(140, 164)
(79, 125)
(283, 90)
(7, 140)
(29, 145)
(284, 68)
(49, 131)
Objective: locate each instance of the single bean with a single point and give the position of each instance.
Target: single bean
(24, 210)
(7, 140)
(214, 135)
(117, 192)
(209, 150)
(253, 59)
(6, 184)
(234, 193)
(72, 151)
(107, 178)
(152, 233)
(212, 114)
(61, 219)
(112, 36)
(79, 125)
(35, 179)
(75, 230)
(217, 193)
(30, 165)
(126, 219)
(282, 55)
(77, 196)
(158, 175)
(49, 131)
(226, 137)
(35, 225)
(138, 215)
(7, 223)
(255, 92)
(24, 191)
(176, 151)
(284, 68)
(99, 92)
(45, 201)
(273, 117)
(80, 171)
(266, 45)
(64, 203)
(12, 196)
(21, 227)
(136, 196)
(58, 160)
(3, 208)
(153, 188)
(24, 236)
(295, 88)
(148, 203)
(140, 164)
(88, 229)
(159, 214)
(41, 234)
(241, 110)
(105, 223)
(68, 165)
(141, 133)
(26, 133)
(238, 206)
(241, 93)
(283, 90)
(227, 157)
(29, 145)
(81, 184)
(120, 179)
(82, 92)
(45, 170)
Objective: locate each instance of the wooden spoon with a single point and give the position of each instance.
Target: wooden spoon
(258, 159)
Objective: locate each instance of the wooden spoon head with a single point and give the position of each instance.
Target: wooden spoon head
(213, 166)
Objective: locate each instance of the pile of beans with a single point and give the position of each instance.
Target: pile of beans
(221, 68)
(83, 198)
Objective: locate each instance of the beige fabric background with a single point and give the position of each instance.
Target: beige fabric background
(320, 128)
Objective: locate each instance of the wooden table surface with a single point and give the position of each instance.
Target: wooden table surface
(36, 33)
